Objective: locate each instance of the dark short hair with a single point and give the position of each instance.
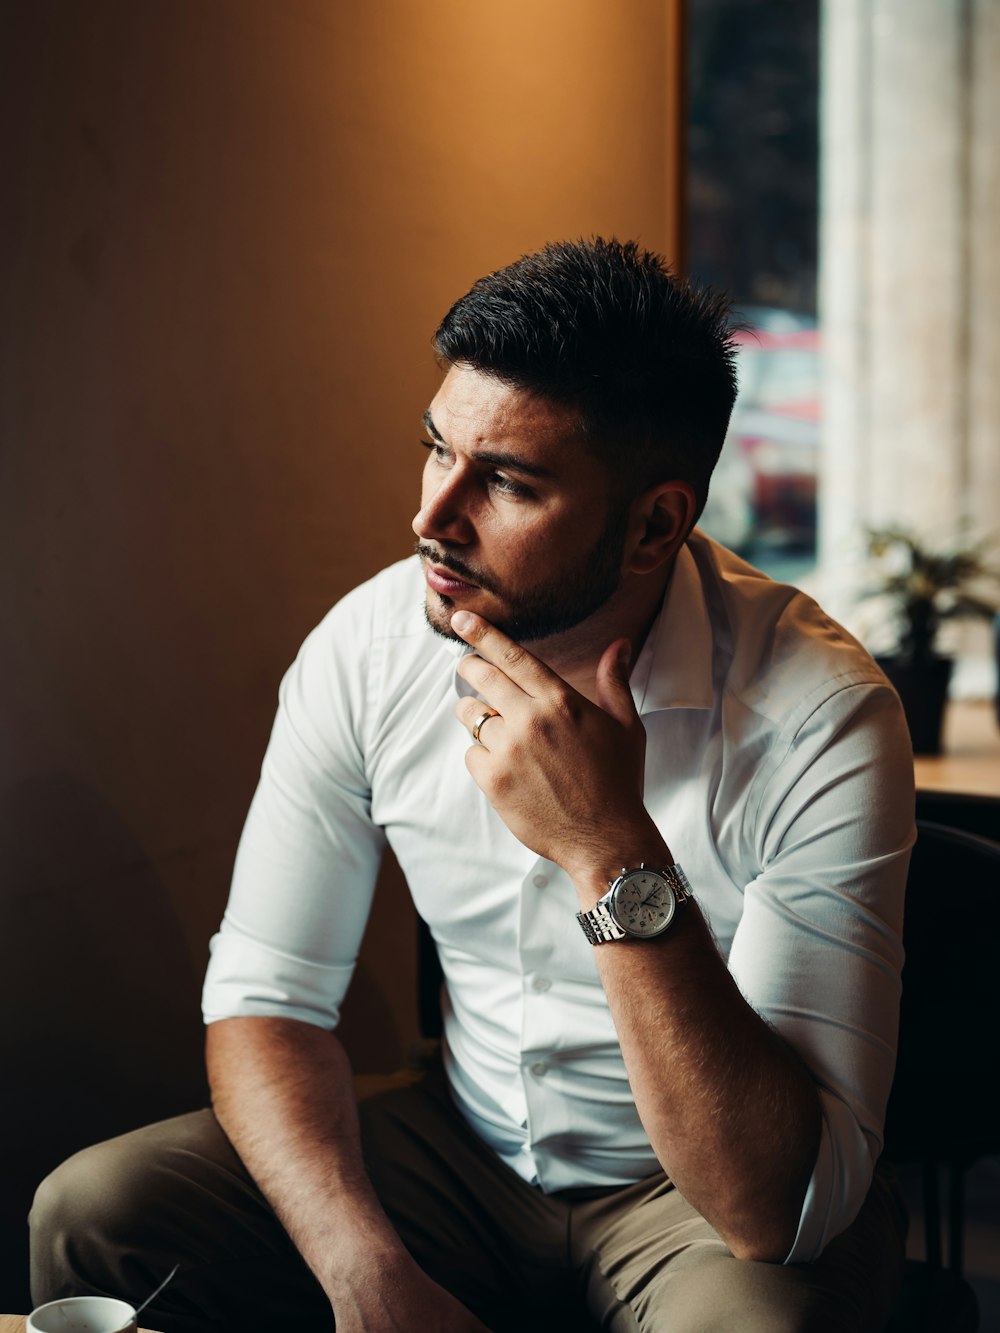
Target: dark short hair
(646, 358)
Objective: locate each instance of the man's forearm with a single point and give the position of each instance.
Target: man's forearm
(732, 1114)
(282, 1091)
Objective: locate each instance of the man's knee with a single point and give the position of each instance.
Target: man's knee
(92, 1194)
(89, 1210)
(706, 1290)
(660, 1259)
(721, 1292)
(83, 1186)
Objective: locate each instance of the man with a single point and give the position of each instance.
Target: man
(662, 1088)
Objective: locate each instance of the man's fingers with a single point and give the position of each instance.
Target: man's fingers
(492, 682)
(476, 716)
(514, 661)
(614, 693)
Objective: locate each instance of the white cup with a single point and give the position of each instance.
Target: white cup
(83, 1314)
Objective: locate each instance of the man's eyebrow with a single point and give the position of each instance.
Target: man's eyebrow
(495, 457)
(432, 430)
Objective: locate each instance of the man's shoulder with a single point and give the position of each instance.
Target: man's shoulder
(376, 632)
(743, 589)
(396, 590)
(390, 604)
(775, 643)
(372, 649)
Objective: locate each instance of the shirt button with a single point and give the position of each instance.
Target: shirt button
(541, 983)
(540, 881)
(539, 1068)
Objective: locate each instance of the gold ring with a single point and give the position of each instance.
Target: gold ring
(477, 726)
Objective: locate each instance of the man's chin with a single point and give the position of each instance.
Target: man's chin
(444, 631)
(526, 627)
(439, 618)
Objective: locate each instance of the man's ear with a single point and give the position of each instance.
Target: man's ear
(662, 518)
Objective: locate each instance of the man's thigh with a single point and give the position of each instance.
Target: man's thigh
(498, 1244)
(116, 1217)
(658, 1267)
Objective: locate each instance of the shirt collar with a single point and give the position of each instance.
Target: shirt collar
(674, 669)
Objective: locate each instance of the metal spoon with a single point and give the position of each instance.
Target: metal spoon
(153, 1294)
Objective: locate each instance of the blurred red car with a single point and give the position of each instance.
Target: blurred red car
(763, 496)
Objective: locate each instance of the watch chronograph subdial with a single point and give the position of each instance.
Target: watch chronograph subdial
(643, 904)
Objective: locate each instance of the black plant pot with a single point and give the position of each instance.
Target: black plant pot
(922, 686)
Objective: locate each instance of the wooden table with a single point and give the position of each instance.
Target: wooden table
(970, 760)
(14, 1323)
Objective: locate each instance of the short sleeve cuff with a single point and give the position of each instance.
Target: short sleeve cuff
(246, 979)
(839, 1183)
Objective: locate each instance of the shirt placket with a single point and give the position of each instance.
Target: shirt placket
(545, 937)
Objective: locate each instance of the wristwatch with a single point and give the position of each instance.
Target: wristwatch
(639, 905)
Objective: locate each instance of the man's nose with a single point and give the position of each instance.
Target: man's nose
(443, 513)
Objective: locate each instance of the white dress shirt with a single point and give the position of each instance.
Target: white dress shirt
(778, 768)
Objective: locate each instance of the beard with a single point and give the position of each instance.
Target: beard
(545, 611)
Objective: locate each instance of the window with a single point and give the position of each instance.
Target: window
(751, 229)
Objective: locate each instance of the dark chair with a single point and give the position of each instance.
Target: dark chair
(430, 978)
(942, 1111)
(971, 814)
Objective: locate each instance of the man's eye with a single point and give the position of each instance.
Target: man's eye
(436, 449)
(498, 482)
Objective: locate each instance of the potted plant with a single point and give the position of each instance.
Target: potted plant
(924, 588)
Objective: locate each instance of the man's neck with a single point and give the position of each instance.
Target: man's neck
(629, 613)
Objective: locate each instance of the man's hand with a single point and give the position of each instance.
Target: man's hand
(384, 1295)
(564, 774)
(283, 1093)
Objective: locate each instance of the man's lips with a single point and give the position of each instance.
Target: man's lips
(446, 583)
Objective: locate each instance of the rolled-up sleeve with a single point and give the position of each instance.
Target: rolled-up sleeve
(309, 853)
(818, 950)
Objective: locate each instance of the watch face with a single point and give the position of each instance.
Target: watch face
(643, 903)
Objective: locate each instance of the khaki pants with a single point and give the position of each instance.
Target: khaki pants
(115, 1218)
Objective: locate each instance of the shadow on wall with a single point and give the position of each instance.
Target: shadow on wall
(100, 1029)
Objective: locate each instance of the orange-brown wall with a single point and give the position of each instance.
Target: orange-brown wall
(229, 229)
